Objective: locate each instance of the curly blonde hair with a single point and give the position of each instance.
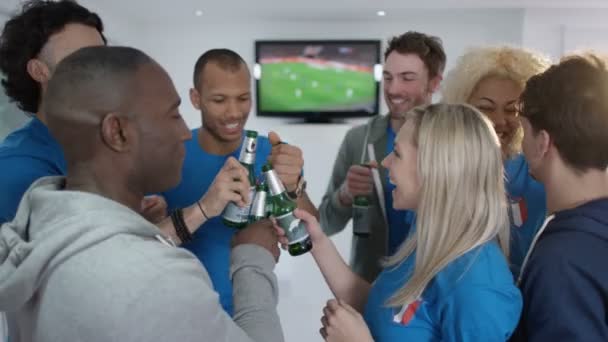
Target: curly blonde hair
(477, 63)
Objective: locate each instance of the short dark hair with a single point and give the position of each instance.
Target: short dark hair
(570, 102)
(24, 36)
(90, 82)
(91, 71)
(428, 48)
(224, 58)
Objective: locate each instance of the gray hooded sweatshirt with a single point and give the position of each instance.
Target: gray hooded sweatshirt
(75, 266)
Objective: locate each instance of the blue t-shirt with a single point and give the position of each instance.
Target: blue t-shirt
(26, 154)
(474, 298)
(399, 221)
(527, 209)
(211, 242)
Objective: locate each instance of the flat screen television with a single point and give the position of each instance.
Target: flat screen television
(318, 80)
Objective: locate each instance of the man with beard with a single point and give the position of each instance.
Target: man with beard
(413, 67)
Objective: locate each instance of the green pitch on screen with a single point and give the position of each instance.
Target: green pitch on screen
(302, 87)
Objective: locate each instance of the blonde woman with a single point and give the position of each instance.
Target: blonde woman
(492, 79)
(449, 281)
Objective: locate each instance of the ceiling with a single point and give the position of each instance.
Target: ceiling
(163, 11)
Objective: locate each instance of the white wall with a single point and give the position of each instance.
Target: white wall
(552, 31)
(302, 289)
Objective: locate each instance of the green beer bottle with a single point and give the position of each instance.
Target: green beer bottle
(269, 205)
(235, 216)
(282, 209)
(361, 205)
(258, 207)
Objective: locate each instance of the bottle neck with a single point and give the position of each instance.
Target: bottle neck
(251, 171)
(275, 186)
(258, 209)
(247, 155)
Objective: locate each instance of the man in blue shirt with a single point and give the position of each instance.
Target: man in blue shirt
(413, 68)
(32, 44)
(222, 94)
(51, 30)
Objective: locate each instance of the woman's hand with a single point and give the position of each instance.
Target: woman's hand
(312, 226)
(342, 323)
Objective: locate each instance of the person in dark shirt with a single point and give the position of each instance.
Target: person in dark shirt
(564, 282)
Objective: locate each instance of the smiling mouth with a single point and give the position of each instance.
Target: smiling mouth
(232, 127)
(398, 101)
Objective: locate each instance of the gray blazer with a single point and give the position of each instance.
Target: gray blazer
(366, 252)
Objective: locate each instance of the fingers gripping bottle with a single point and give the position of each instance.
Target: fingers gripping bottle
(282, 210)
(235, 216)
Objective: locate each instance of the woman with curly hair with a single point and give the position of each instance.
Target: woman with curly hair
(492, 79)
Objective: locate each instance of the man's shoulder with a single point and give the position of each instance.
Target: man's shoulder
(126, 275)
(17, 173)
(24, 146)
(375, 124)
(569, 246)
(131, 261)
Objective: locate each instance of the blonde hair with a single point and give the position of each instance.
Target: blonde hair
(462, 198)
(515, 64)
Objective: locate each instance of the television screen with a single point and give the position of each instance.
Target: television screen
(317, 79)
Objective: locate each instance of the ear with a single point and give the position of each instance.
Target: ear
(434, 83)
(195, 98)
(117, 132)
(38, 70)
(544, 142)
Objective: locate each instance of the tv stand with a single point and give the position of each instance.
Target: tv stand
(319, 120)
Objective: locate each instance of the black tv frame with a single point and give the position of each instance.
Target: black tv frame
(317, 116)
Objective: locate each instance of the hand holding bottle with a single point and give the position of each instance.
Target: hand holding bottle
(230, 185)
(358, 181)
(287, 161)
(313, 227)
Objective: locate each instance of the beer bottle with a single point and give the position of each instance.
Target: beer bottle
(259, 205)
(361, 205)
(235, 216)
(282, 209)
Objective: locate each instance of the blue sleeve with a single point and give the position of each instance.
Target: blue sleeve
(480, 313)
(15, 178)
(562, 299)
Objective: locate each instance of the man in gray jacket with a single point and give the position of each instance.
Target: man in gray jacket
(78, 263)
(413, 69)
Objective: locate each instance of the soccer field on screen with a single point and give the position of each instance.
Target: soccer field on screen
(305, 87)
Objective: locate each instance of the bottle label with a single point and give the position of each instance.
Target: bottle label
(236, 214)
(294, 228)
(248, 151)
(361, 220)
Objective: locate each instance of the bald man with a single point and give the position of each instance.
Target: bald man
(83, 265)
